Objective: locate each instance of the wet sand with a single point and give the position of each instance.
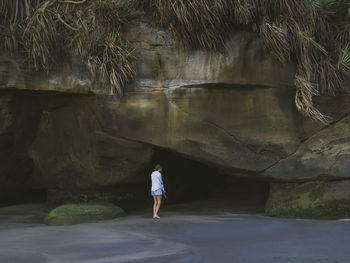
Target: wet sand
(197, 232)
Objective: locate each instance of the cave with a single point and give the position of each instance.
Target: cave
(189, 181)
(191, 184)
(22, 196)
(20, 114)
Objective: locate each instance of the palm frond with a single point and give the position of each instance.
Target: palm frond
(335, 10)
(344, 58)
(313, 34)
(304, 36)
(45, 31)
(276, 41)
(197, 23)
(305, 90)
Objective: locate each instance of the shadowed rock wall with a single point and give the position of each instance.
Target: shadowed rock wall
(19, 118)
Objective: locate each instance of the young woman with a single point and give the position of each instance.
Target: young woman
(157, 189)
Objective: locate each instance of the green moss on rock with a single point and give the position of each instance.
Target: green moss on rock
(77, 213)
(317, 200)
(317, 212)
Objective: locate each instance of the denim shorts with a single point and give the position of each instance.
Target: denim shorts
(157, 192)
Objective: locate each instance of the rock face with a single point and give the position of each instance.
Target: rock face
(243, 128)
(72, 150)
(317, 199)
(70, 77)
(18, 126)
(162, 63)
(326, 154)
(60, 141)
(232, 110)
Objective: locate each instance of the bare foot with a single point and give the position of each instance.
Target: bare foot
(157, 216)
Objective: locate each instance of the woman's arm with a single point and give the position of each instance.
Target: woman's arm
(164, 192)
(161, 181)
(163, 188)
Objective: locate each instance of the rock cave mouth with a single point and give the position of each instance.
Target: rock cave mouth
(23, 196)
(188, 180)
(19, 118)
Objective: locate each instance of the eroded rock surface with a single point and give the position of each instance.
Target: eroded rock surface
(243, 128)
(163, 63)
(326, 154)
(70, 77)
(317, 199)
(72, 151)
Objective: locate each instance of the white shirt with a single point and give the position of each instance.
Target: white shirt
(156, 178)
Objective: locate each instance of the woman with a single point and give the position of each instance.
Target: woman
(157, 189)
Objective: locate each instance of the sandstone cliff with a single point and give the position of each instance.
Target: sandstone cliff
(232, 110)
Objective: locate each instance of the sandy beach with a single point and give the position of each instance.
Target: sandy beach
(195, 232)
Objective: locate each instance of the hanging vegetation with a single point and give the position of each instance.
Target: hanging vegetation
(44, 31)
(313, 34)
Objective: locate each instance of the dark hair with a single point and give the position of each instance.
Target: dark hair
(158, 166)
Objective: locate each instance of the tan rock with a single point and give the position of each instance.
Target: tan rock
(71, 150)
(242, 128)
(163, 63)
(326, 154)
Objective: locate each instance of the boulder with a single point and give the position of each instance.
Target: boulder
(324, 155)
(316, 199)
(126, 195)
(70, 214)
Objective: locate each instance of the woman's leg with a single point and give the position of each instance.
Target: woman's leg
(159, 202)
(154, 206)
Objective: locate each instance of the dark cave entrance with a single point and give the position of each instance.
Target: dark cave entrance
(187, 181)
(22, 196)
